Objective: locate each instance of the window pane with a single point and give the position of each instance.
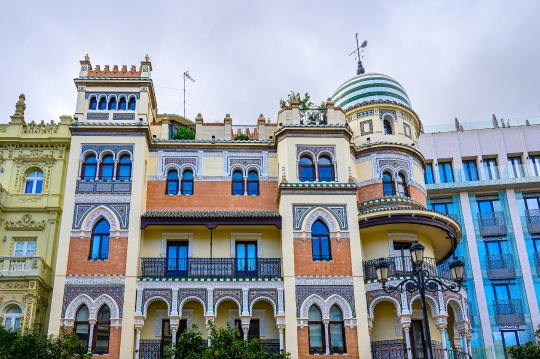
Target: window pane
(336, 337)
(95, 246)
(237, 176)
(237, 187)
(125, 171)
(510, 338)
(29, 188)
(325, 244)
(188, 175)
(17, 324)
(325, 174)
(104, 247)
(30, 248)
(39, 186)
(315, 337)
(316, 247)
(7, 323)
(253, 176)
(428, 175)
(306, 173)
(335, 314)
(102, 338)
(314, 314)
(440, 207)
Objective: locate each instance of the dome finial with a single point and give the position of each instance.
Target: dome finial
(360, 70)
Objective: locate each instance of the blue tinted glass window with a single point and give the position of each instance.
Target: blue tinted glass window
(307, 170)
(428, 175)
(388, 184)
(93, 103)
(441, 207)
(107, 167)
(89, 169)
(112, 103)
(100, 240)
(470, 171)
(326, 170)
(102, 103)
(445, 172)
(320, 241)
(132, 104)
(122, 103)
(172, 182)
(491, 171)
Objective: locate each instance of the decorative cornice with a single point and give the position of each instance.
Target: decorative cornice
(324, 281)
(95, 280)
(26, 223)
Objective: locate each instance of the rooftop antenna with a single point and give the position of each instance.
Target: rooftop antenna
(186, 76)
(360, 70)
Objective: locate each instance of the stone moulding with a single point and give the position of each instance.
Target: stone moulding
(26, 223)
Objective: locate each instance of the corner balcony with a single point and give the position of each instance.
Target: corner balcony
(492, 224)
(17, 267)
(508, 312)
(403, 266)
(500, 266)
(103, 186)
(533, 220)
(210, 268)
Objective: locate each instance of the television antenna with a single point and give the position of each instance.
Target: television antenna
(359, 50)
(186, 76)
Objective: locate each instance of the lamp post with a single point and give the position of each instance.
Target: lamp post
(421, 281)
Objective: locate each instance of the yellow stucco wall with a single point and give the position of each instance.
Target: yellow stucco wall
(212, 166)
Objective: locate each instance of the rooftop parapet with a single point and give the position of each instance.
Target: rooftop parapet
(88, 71)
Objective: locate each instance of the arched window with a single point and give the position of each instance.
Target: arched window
(388, 184)
(102, 331)
(112, 103)
(402, 188)
(387, 127)
(326, 169)
(102, 103)
(320, 242)
(187, 182)
(123, 170)
(172, 182)
(107, 168)
(306, 169)
(237, 183)
(253, 183)
(82, 325)
(93, 103)
(12, 318)
(100, 240)
(122, 103)
(89, 166)
(336, 328)
(131, 104)
(34, 182)
(317, 342)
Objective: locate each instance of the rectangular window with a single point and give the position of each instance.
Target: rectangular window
(440, 207)
(470, 171)
(24, 249)
(490, 169)
(253, 332)
(428, 175)
(177, 259)
(515, 167)
(535, 165)
(445, 172)
(246, 259)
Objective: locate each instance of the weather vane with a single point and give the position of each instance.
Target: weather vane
(359, 50)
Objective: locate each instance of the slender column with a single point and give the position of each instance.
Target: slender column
(281, 310)
(245, 186)
(406, 329)
(465, 346)
(246, 321)
(92, 322)
(173, 332)
(114, 169)
(280, 330)
(209, 320)
(442, 329)
(137, 342)
(326, 337)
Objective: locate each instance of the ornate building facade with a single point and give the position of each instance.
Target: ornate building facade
(33, 161)
(278, 235)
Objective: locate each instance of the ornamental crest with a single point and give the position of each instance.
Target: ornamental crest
(26, 223)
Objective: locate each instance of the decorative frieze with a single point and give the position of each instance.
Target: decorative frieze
(26, 223)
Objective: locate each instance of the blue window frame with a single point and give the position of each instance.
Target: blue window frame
(440, 207)
(89, 168)
(131, 104)
(112, 103)
(470, 170)
(320, 242)
(253, 183)
(326, 169)
(123, 171)
(100, 240)
(34, 182)
(93, 103)
(246, 259)
(428, 174)
(490, 169)
(102, 103)
(388, 185)
(516, 167)
(306, 168)
(122, 103)
(445, 172)
(177, 259)
(187, 182)
(172, 182)
(107, 168)
(237, 183)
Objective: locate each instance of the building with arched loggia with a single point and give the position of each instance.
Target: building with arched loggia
(277, 235)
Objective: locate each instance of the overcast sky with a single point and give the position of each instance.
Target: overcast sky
(464, 59)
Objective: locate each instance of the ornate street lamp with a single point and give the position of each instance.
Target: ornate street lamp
(421, 282)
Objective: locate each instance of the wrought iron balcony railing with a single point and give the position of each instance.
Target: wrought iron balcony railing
(103, 186)
(533, 220)
(313, 116)
(492, 223)
(211, 267)
(394, 352)
(403, 266)
(508, 312)
(500, 266)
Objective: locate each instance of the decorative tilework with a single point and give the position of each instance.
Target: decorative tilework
(245, 161)
(109, 94)
(300, 212)
(97, 116)
(345, 291)
(124, 116)
(198, 293)
(116, 292)
(360, 114)
(121, 210)
(407, 130)
(150, 349)
(270, 293)
(181, 161)
(366, 127)
(222, 293)
(316, 150)
(383, 112)
(164, 293)
(375, 294)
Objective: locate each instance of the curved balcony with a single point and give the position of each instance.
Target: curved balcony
(403, 266)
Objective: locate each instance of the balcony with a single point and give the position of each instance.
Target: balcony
(403, 266)
(497, 177)
(101, 186)
(533, 220)
(211, 267)
(398, 351)
(32, 266)
(508, 312)
(500, 266)
(492, 224)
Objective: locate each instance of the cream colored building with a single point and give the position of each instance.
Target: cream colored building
(33, 161)
(277, 235)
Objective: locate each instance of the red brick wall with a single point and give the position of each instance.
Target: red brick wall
(417, 195)
(369, 192)
(351, 343)
(339, 265)
(79, 251)
(212, 195)
(114, 342)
